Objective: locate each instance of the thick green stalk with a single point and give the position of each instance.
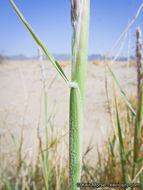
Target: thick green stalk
(80, 23)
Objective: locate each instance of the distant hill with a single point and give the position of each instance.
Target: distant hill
(66, 57)
(1, 59)
(95, 57)
(18, 57)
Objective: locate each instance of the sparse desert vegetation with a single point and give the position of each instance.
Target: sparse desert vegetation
(43, 144)
(25, 107)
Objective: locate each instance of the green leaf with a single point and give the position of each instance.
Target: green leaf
(40, 44)
(139, 160)
(122, 152)
(141, 181)
(112, 144)
(7, 183)
(122, 92)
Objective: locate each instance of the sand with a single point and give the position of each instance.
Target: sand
(21, 104)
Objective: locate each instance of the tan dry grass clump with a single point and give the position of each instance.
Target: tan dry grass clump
(96, 62)
(65, 63)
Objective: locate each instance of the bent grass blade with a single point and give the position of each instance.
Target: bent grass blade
(40, 44)
(121, 90)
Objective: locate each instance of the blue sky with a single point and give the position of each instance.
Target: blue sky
(50, 19)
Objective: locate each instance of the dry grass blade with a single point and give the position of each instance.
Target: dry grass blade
(125, 30)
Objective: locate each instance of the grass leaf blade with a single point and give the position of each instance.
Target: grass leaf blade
(122, 92)
(40, 44)
(7, 183)
(139, 160)
(120, 137)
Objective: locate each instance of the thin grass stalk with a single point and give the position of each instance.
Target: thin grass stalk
(80, 24)
(112, 145)
(121, 142)
(125, 30)
(139, 117)
(122, 91)
(107, 95)
(139, 59)
(46, 156)
(7, 184)
(128, 61)
(118, 85)
(141, 180)
(45, 93)
(139, 79)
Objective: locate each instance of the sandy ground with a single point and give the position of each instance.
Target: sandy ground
(21, 103)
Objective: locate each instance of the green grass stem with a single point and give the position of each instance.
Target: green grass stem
(80, 23)
(121, 144)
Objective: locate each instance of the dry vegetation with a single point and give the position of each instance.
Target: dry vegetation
(22, 129)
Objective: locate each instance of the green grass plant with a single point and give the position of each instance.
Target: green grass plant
(120, 138)
(121, 158)
(80, 23)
